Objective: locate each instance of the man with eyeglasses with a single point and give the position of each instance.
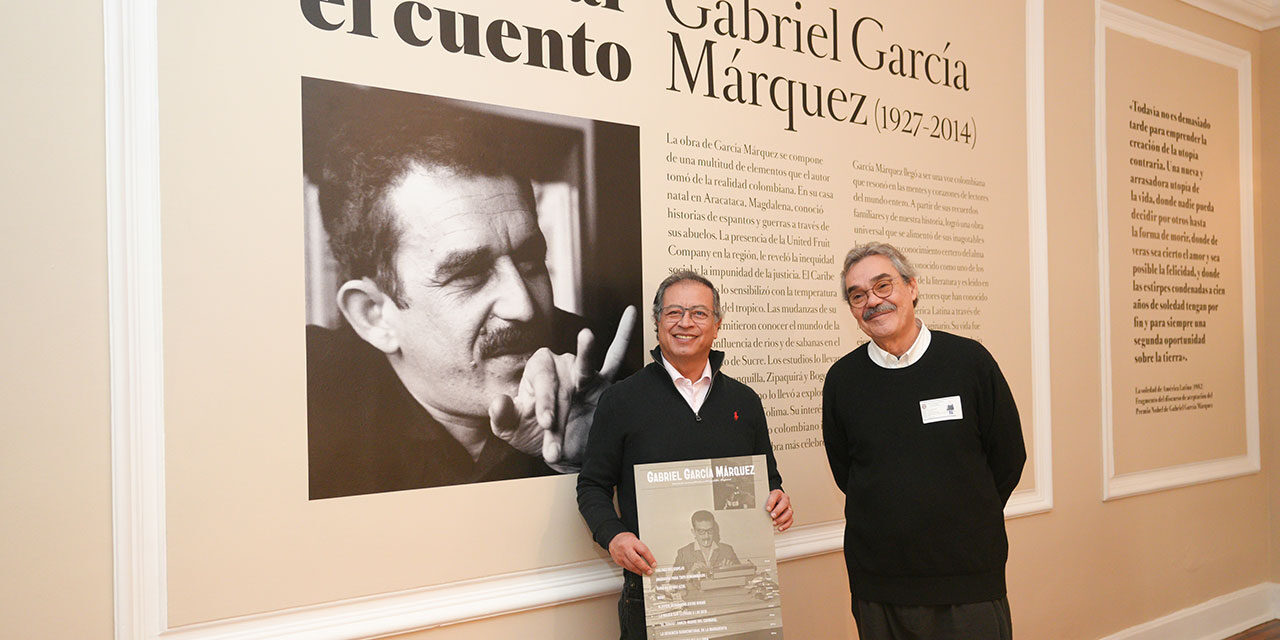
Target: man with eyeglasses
(679, 407)
(706, 552)
(924, 438)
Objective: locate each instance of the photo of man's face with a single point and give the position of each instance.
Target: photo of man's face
(704, 532)
(469, 296)
(477, 296)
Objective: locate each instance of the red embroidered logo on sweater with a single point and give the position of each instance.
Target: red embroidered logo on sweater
(735, 416)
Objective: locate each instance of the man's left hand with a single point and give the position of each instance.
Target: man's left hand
(556, 401)
(779, 507)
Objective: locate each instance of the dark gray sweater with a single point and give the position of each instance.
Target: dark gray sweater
(924, 502)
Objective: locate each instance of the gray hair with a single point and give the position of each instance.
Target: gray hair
(681, 276)
(885, 249)
(358, 143)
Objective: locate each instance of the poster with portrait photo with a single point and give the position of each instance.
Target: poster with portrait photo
(716, 571)
(469, 269)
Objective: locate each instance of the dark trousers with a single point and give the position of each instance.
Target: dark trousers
(976, 621)
(631, 607)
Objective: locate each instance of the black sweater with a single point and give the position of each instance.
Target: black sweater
(366, 433)
(644, 419)
(924, 502)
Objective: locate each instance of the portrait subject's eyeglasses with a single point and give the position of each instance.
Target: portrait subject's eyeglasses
(673, 313)
(882, 288)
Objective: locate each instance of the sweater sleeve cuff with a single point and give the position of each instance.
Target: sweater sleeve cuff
(605, 534)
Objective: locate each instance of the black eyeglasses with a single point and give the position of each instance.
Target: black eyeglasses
(882, 288)
(673, 313)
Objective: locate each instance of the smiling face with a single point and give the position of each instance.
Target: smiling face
(889, 320)
(477, 295)
(685, 342)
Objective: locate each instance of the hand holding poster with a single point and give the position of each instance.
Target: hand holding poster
(718, 578)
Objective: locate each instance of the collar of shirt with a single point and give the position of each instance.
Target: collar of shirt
(910, 357)
(693, 392)
(710, 551)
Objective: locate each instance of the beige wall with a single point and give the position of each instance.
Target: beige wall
(1269, 276)
(55, 461)
(1081, 571)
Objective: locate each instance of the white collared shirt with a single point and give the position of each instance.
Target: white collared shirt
(890, 361)
(695, 393)
(710, 551)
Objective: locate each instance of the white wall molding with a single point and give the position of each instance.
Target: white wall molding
(1183, 475)
(1259, 14)
(1040, 498)
(428, 607)
(1213, 619)
(1109, 16)
(133, 255)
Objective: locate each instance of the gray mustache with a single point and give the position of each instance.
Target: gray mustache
(512, 339)
(883, 306)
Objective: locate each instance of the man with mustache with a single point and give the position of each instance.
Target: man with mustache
(452, 366)
(923, 436)
(706, 552)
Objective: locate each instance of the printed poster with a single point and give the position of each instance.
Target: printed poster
(716, 574)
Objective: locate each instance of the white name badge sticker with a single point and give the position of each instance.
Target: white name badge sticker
(940, 409)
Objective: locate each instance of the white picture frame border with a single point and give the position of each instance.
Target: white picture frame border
(1258, 14)
(137, 390)
(1039, 498)
(1115, 485)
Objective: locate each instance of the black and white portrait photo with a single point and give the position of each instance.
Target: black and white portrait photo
(472, 273)
(734, 492)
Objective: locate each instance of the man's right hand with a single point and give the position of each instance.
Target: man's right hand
(552, 411)
(631, 554)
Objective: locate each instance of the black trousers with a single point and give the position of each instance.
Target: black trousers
(976, 621)
(631, 607)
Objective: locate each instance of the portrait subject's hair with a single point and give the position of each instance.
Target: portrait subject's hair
(885, 249)
(359, 142)
(681, 276)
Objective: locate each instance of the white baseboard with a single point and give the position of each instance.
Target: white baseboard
(1213, 619)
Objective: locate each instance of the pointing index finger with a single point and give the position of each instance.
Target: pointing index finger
(618, 348)
(582, 368)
